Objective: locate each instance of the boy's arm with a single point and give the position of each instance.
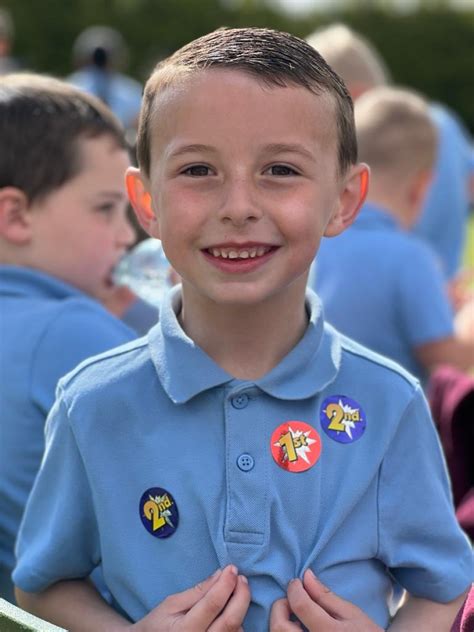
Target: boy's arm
(425, 315)
(421, 615)
(75, 605)
(453, 351)
(219, 603)
(321, 610)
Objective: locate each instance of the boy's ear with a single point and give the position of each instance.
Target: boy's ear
(352, 196)
(15, 217)
(140, 200)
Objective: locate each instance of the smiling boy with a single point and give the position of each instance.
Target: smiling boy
(244, 434)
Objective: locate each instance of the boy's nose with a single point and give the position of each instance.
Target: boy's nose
(127, 234)
(239, 205)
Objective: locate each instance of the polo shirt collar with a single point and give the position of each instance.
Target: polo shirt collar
(22, 281)
(373, 216)
(185, 370)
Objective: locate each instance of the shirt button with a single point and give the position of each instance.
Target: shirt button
(240, 401)
(245, 462)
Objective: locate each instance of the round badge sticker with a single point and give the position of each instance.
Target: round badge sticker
(295, 446)
(159, 512)
(342, 419)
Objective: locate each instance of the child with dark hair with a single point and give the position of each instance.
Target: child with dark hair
(245, 440)
(63, 227)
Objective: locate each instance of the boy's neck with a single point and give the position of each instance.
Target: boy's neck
(381, 205)
(397, 197)
(247, 341)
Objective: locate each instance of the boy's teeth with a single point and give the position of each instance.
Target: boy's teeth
(256, 251)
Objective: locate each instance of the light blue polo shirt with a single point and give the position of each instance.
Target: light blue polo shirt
(158, 422)
(384, 288)
(443, 222)
(46, 328)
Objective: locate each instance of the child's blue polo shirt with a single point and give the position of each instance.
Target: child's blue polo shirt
(384, 288)
(47, 328)
(171, 468)
(445, 213)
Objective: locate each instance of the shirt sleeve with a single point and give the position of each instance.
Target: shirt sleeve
(419, 538)
(80, 330)
(58, 537)
(424, 307)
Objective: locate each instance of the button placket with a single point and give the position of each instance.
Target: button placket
(246, 480)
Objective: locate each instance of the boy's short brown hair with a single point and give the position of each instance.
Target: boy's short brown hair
(272, 57)
(395, 132)
(41, 120)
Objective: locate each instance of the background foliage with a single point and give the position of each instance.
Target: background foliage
(431, 49)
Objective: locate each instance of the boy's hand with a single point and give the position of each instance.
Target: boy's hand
(218, 604)
(319, 609)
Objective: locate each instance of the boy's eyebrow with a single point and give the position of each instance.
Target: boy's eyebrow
(272, 148)
(186, 149)
(295, 148)
(119, 195)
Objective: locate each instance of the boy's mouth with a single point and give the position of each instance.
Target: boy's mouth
(242, 252)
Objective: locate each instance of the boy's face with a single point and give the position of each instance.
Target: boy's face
(80, 230)
(244, 183)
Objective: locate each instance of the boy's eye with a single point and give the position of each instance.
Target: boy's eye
(106, 207)
(281, 170)
(197, 170)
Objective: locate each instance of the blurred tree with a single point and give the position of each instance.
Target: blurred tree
(430, 49)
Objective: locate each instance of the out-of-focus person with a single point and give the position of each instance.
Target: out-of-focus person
(380, 284)
(8, 63)
(99, 54)
(63, 228)
(443, 220)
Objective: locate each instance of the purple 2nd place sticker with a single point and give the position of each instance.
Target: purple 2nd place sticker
(342, 419)
(159, 512)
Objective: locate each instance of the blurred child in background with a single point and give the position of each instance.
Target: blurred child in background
(99, 54)
(443, 218)
(63, 228)
(380, 284)
(8, 63)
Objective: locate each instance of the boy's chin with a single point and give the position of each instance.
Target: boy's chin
(117, 299)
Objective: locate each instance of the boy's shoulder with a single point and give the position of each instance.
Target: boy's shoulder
(112, 368)
(54, 309)
(119, 368)
(400, 245)
(362, 364)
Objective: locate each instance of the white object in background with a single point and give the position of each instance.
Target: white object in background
(145, 270)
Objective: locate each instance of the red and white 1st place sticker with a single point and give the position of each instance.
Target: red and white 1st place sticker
(295, 446)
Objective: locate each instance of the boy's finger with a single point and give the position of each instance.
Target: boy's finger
(310, 613)
(280, 618)
(203, 613)
(183, 601)
(333, 604)
(234, 612)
